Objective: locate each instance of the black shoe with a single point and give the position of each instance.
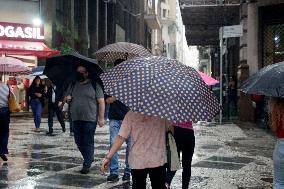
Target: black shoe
(4, 157)
(63, 129)
(85, 170)
(126, 177)
(112, 178)
(49, 134)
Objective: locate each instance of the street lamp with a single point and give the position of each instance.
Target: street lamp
(37, 21)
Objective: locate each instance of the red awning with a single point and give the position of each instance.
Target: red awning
(26, 48)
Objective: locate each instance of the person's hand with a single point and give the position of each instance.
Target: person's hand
(68, 98)
(59, 104)
(105, 164)
(101, 122)
(38, 94)
(45, 89)
(110, 100)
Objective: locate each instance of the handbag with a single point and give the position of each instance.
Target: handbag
(12, 103)
(172, 154)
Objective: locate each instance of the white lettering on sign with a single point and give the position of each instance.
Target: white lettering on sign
(21, 32)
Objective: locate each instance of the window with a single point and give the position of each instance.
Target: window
(164, 13)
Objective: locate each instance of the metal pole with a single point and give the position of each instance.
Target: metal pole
(106, 22)
(221, 74)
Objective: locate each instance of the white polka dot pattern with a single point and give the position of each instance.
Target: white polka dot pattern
(121, 50)
(162, 87)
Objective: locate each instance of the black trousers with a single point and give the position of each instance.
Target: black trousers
(157, 177)
(4, 130)
(53, 108)
(185, 141)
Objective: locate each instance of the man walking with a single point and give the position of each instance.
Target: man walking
(87, 108)
(54, 106)
(117, 112)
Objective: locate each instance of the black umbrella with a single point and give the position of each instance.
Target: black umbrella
(61, 69)
(268, 81)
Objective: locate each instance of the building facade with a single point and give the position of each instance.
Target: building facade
(262, 43)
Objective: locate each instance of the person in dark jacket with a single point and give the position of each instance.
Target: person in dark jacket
(54, 97)
(36, 94)
(4, 120)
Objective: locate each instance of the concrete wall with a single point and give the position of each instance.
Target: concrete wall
(19, 11)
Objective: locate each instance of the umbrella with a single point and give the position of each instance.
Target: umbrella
(207, 79)
(268, 81)
(61, 70)
(161, 87)
(13, 66)
(121, 50)
(37, 71)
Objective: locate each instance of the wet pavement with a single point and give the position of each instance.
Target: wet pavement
(226, 157)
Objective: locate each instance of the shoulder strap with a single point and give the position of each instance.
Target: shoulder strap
(94, 84)
(9, 91)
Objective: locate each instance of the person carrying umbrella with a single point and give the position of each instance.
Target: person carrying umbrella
(87, 109)
(268, 82)
(147, 154)
(158, 90)
(276, 106)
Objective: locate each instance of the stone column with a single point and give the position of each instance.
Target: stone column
(48, 13)
(252, 37)
(68, 22)
(83, 33)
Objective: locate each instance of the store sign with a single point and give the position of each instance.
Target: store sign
(14, 31)
(232, 31)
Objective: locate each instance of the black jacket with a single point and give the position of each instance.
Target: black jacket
(58, 95)
(40, 89)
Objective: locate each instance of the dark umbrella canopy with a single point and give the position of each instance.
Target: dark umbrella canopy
(161, 87)
(268, 81)
(61, 70)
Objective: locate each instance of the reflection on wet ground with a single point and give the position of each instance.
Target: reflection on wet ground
(225, 157)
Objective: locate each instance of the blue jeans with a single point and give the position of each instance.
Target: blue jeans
(114, 126)
(84, 133)
(37, 110)
(4, 130)
(278, 161)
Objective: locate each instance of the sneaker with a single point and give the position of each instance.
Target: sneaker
(4, 157)
(85, 170)
(37, 130)
(126, 177)
(112, 178)
(49, 134)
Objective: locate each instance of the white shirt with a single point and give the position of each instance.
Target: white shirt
(4, 93)
(53, 94)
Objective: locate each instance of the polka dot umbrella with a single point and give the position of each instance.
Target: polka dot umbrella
(161, 87)
(121, 50)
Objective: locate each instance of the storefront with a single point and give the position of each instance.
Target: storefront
(26, 43)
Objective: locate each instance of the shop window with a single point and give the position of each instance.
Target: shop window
(273, 44)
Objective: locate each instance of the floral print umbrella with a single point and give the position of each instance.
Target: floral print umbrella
(161, 87)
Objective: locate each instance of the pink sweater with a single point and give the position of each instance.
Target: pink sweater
(185, 125)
